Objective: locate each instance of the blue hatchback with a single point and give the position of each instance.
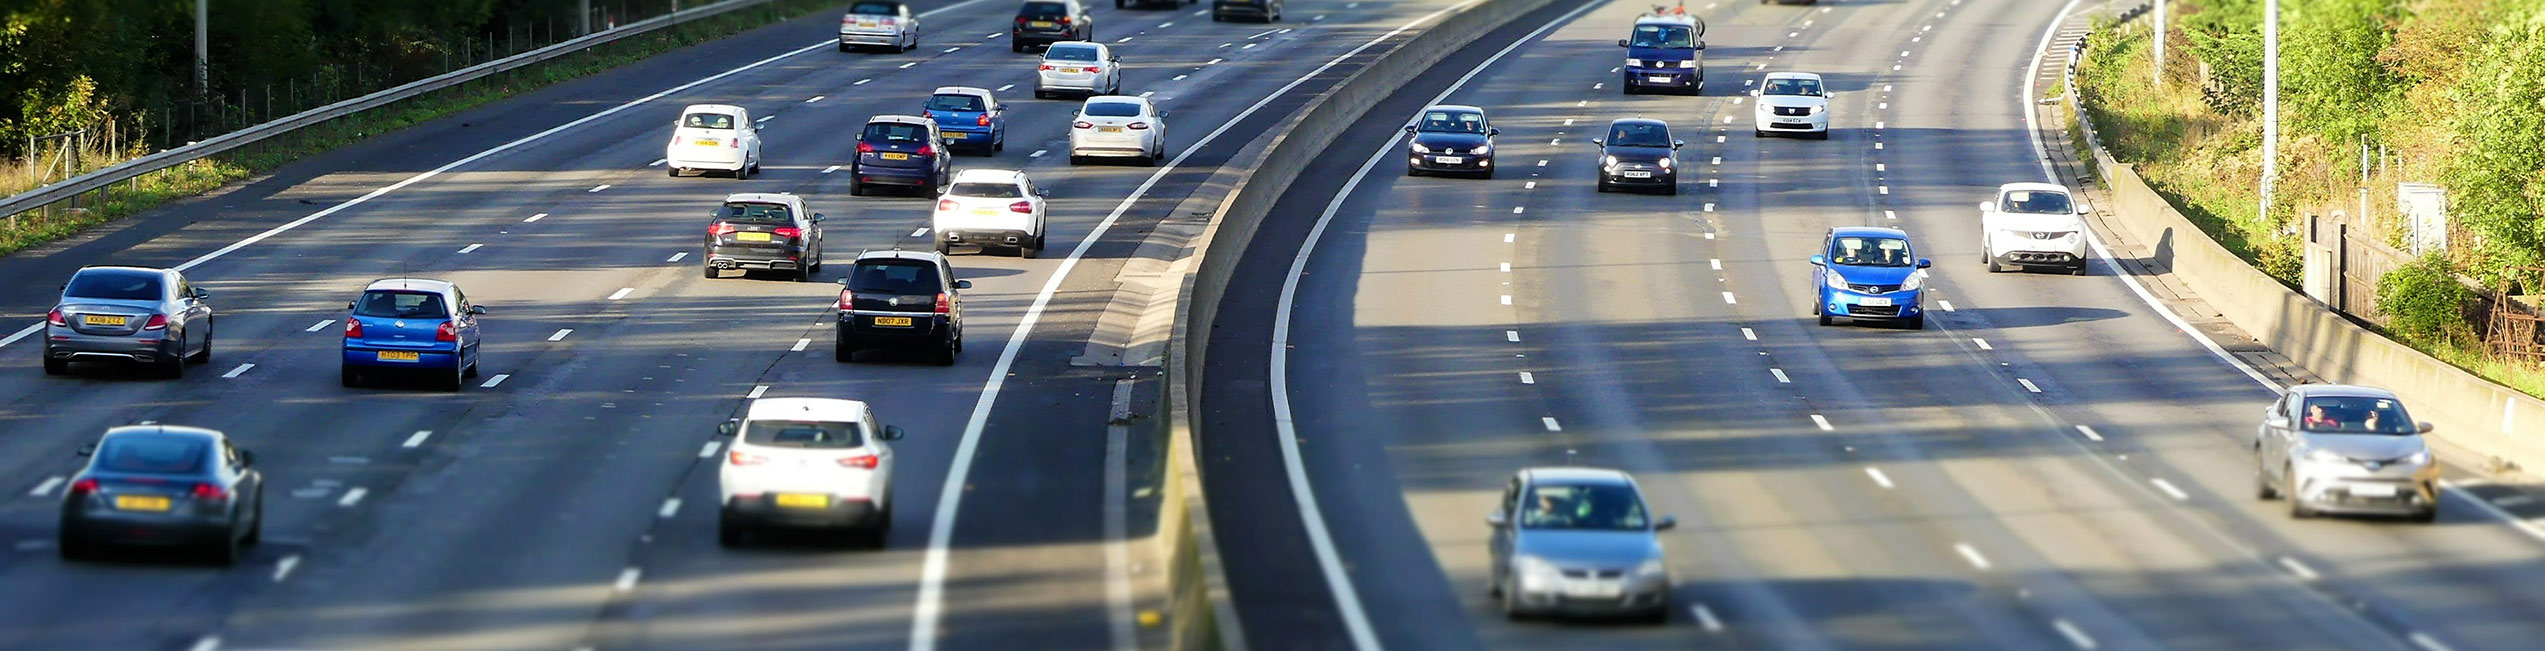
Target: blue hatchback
(1867, 273)
(969, 118)
(411, 326)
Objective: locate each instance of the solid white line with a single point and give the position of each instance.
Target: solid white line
(801, 343)
(1780, 376)
(492, 381)
(1823, 423)
(470, 248)
(352, 497)
(2426, 642)
(283, 568)
(1705, 619)
(2170, 490)
(236, 371)
(1727, 298)
(2076, 636)
(2487, 507)
(417, 439)
(2089, 432)
(2304, 573)
(1972, 555)
(561, 334)
(1124, 627)
(1527, 378)
(627, 579)
(46, 487)
(756, 392)
(1551, 425)
(1747, 334)
(622, 293)
(2028, 385)
(1983, 343)
(709, 449)
(671, 506)
(535, 218)
(321, 325)
(604, 186)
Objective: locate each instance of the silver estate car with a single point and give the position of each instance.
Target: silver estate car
(1571, 540)
(2333, 448)
(129, 314)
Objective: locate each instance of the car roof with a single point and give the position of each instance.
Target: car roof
(1867, 231)
(1690, 21)
(987, 176)
(898, 254)
(2342, 391)
(727, 109)
(1576, 475)
(902, 119)
(2035, 186)
(1814, 76)
(413, 285)
(962, 90)
(832, 410)
(179, 430)
(1626, 121)
(762, 197)
(121, 269)
(1452, 107)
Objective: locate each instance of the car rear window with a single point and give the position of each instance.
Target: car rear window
(117, 285)
(954, 103)
(707, 121)
(401, 305)
(2037, 202)
(875, 8)
(1113, 109)
(895, 277)
(1070, 53)
(751, 212)
(153, 454)
(803, 434)
(1043, 10)
(986, 190)
(893, 132)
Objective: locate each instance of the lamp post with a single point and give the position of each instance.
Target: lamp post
(202, 46)
(2159, 63)
(2270, 101)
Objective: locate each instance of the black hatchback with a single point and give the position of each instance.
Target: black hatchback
(164, 486)
(901, 150)
(1044, 22)
(900, 299)
(1639, 153)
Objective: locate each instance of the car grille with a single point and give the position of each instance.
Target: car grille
(2048, 235)
(1591, 573)
(1874, 310)
(1793, 110)
(1873, 289)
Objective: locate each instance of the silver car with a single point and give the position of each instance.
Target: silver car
(1573, 540)
(2333, 448)
(1087, 68)
(879, 23)
(129, 314)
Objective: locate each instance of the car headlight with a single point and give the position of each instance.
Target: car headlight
(1834, 281)
(2421, 458)
(1634, 63)
(1420, 149)
(1533, 570)
(1818, 109)
(1481, 150)
(1652, 567)
(1665, 164)
(2320, 454)
(1691, 63)
(1915, 282)
(1607, 161)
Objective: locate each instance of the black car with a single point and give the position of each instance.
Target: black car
(1044, 22)
(756, 230)
(164, 486)
(1263, 10)
(902, 150)
(1638, 153)
(1451, 139)
(900, 299)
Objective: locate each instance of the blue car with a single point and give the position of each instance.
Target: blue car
(969, 118)
(1664, 53)
(1865, 273)
(411, 326)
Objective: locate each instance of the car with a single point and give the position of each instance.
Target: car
(879, 23)
(755, 230)
(1578, 541)
(900, 298)
(1127, 4)
(2338, 448)
(1639, 153)
(1791, 102)
(1450, 139)
(987, 208)
(1264, 10)
(968, 117)
(411, 326)
(1089, 68)
(1664, 53)
(163, 486)
(901, 150)
(2033, 225)
(812, 463)
(710, 137)
(1118, 126)
(139, 315)
(1866, 273)
(1040, 23)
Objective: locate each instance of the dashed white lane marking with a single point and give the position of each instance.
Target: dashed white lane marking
(1877, 146)
(1506, 299)
(283, 568)
(906, 66)
(417, 439)
(1878, 167)
(816, 98)
(1971, 554)
(1180, 77)
(1581, 103)
(1506, 267)
(801, 343)
(2426, 642)
(923, 230)
(1882, 105)
(995, 34)
(534, 218)
(1518, 210)
(1716, 263)
(2028, 385)
(470, 248)
(1709, 207)
(2076, 636)
(1877, 124)
(1890, 215)
(1249, 46)
(1705, 619)
(1718, 139)
(1709, 236)
(321, 325)
(1598, 86)
(1508, 238)
(622, 293)
(1532, 185)
(709, 449)
(677, 256)
(1554, 141)
(1527, 378)
(1550, 423)
(1569, 121)
(671, 507)
(2089, 432)
(1213, 62)
(1004, 88)
(1727, 119)
(658, 162)
(1878, 477)
(1822, 423)
(763, 118)
(2170, 490)
(208, 643)
(1982, 343)
(756, 391)
(561, 334)
(1895, 68)
(1948, 305)
(1749, 335)
(833, 168)
(236, 371)
(598, 188)
(1718, 160)
(1780, 376)
(1886, 88)
(1884, 188)
(1166, 24)
(46, 487)
(861, 82)
(1147, 93)
(627, 579)
(2304, 573)
(1512, 336)
(1729, 300)
(1541, 162)
(493, 381)
(352, 497)
(1038, 153)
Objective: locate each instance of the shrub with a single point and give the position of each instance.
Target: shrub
(2424, 301)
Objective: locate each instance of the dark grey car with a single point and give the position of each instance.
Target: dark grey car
(129, 314)
(164, 486)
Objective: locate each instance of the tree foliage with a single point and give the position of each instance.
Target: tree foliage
(2496, 174)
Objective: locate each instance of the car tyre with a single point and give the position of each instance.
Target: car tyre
(1075, 159)
(1671, 190)
(1411, 170)
(1914, 323)
(1993, 265)
(348, 377)
(1828, 320)
(843, 348)
(728, 534)
(203, 356)
(670, 171)
(2297, 505)
(74, 549)
(2262, 488)
(1820, 135)
(1488, 174)
(943, 248)
(945, 351)
(173, 367)
(1758, 133)
(1511, 609)
(471, 372)
(843, 47)
(1603, 185)
(1028, 251)
(2078, 270)
(453, 381)
(2426, 516)
(1013, 46)
(226, 552)
(256, 526)
(742, 173)
(55, 366)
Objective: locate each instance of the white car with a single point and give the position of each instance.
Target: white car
(1791, 102)
(806, 463)
(2033, 225)
(1118, 126)
(879, 23)
(1089, 68)
(988, 208)
(713, 137)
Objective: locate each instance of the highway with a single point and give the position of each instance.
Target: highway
(2049, 464)
(566, 498)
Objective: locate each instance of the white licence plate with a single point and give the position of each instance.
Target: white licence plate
(1449, 159)
(1875, 301)
(1639, 175)
(2373, 490)
(1657, 79)
(1594, 590)
(1793, 121)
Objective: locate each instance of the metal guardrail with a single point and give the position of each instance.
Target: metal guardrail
(73, 188)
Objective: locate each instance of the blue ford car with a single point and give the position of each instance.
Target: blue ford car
(1664, 52)
(1865, 273)
(969, 118)
(413, 327)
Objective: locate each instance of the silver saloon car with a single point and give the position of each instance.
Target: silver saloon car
(129, 314)
(2333, 448)
(1578, 541)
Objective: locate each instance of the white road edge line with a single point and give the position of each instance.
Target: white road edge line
(2426, 642)
(2076, 636)
(2304, 573)
(2089, 432)
(46, 488)
(1971, 554)
(2170, 490)
(1705, 618)
(417, 439)
(1878, 477)
(352, 497)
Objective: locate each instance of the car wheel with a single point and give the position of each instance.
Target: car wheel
(1410, 170)
(670, 171)
(843, 349)
(74, 549)
(346, 376)
(943, 248)
(1157, 158)
(2262, 488)
(1488, 174)
(1671, 190)
(226, 552)
(256, 526)
(803, 273)
(173, 366)
(1027, 251)
(471, 372)
(728, 534)
(1014, 46)
(1914, 323)
(1603, 185)
(742, 173)
(203, 356)
(55, 366)
(945, 351)
(855, 189)
(1511, 609)
(1828, 320)
(453, 381)
(1993, 265)
(1075, 159)
(2297, 504)
(2426, 516)
(1758, 133)
(843, 47)
(1820, 135)
(999, 144)
(2078, 270)
(707, 270)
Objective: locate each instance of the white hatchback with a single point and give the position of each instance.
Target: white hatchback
(1089, 68)
(990, 208)
(713, 137)
(1794, 102)
(809, 463)
(1118, 126)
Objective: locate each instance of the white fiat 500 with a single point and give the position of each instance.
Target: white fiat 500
(815, 463)
(990, 208)
(2033, 225)
(1118, 126)
(713, 137)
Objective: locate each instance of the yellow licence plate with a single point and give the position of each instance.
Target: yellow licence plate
(751, 237)
(105, 320)
(1070, 70)
(706, 142)
(399, 356)
(896, 157)
(1042, 23)
(897, 321)
(1109, 129)
(866, 22)
(985, 211)
(803, 500)
(141, 503)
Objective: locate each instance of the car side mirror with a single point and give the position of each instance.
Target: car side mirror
(1986, 206)
(1595, 142)
(1675, 144)
(843, 281)
(477, 309)
(2274, 420)
(1820, 260)
(892, 433)
(817, 217)
(1409, 128)
(247, 458)
(2082, 209)
(1494, 131)
(1621, 42)
(1924, 263)
(726, 428)
(2424, 427)
(88, 449)
(1497, 519)
(1701, 45)
(348, 305)
(962, 284)
(202, 293)
(1666, 523)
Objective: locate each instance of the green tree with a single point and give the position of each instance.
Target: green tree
(2496, 175)
(2332, 79)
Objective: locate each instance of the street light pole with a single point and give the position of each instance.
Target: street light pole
(2270, 102)
(2159, 66)
(202, 46)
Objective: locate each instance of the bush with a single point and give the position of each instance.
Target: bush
(2423, 301)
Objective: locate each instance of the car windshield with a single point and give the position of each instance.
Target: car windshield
(401, 305)
(2037, 202)
(153, 454)
(707, 121)
(952, 102)
(1662, 36)
(895, 132)
(986, 190)
(751, 212)
(803, 434)
(1792, 86)
(2355, 415)
(1869, 251)
(1638, 134)
(1606, 507)
(875, 8)
(116, 285)
(1113, 109)
(1070, 53)
(1453, 122)
(1043, 10)
(903, 278)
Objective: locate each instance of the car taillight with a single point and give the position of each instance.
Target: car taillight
(945, 303)
(721, 229)
(864, 147)
(55, 317)
(1046, 66)
(1021, 20)
(866, 461)
(84, 486)
(984, 121)
(1064, 20)
(1082, 124)
(448, 332)
(945, 204)
(1024, 207)
(733, 143)
(1095, 69)
(1138, 126)
(739, 458)
(888, 21)
(353, 328)
(846, 300)
(156, 322)
(207, 491)
(927, 150)
(788, 232)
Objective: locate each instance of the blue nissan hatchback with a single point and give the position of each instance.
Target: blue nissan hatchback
(969, 118)
(411, 326)
(1865, 273)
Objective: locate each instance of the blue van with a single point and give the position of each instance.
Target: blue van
(1666, 51)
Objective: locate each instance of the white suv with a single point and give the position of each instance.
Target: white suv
(988, 208)
(806, 462)
(2032, 225)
